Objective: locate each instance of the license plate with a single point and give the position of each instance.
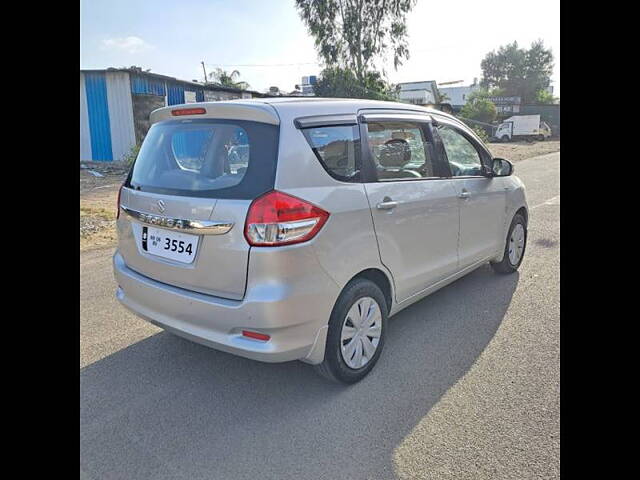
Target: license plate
(180, 247)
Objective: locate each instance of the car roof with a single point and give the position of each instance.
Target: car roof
(323, 103)
(284, 109)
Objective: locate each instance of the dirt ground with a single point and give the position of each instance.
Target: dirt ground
(98, 204)
(98, 194)
(517, 151)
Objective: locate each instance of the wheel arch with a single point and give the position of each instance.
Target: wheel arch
(381, 279)
(525, 214)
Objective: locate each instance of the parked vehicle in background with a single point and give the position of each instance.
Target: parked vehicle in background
(292, 229)
(523, 127)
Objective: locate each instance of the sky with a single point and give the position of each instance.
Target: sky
(268, 43)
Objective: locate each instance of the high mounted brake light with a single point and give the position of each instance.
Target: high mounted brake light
(277, 219)
(188, 111)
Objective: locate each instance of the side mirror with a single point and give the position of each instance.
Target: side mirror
(501, 167)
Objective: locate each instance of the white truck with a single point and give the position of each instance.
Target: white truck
(527, 127)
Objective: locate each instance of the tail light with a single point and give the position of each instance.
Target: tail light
(118, 202)
(276, 219)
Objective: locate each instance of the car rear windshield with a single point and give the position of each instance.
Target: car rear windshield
(207, 158)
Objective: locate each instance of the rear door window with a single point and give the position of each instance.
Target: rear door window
(219, 158)
(337, 148)
(400, 151)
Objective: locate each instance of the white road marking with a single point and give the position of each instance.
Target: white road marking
(552, 201)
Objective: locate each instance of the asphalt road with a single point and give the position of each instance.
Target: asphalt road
(468, 385)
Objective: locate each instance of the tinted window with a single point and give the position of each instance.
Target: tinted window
(226, 159)
(463, 157)
(399, 151)
(337, 148)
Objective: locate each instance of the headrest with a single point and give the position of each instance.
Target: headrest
(336, 154)
(395, 153)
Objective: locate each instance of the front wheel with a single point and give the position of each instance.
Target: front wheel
(514, 248)
(505, 138)
(356, 333)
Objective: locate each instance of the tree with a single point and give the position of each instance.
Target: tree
(444, 98)
(479, 107)
(135, 68)
(354, 34)
(342, 83)
(226, 79)
(517, 71)
(545, 97)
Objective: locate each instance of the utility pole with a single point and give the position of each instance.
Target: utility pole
(205, 72)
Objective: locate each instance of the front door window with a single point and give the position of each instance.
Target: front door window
(464, 159)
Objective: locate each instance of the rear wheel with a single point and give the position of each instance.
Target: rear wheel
(356, 333)
(514, 248)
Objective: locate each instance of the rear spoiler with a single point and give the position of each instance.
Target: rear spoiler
(256, 112)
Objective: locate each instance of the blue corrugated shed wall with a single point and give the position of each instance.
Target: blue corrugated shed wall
(175, 94)
(85, 136)
(123, 136)
(98, 109)
(174, 91)
(147, 85)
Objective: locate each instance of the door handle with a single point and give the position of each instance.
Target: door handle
(464, 194)
(386, 204)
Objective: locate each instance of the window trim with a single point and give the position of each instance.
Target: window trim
(330, 120)
(424, 122)
(484, 154)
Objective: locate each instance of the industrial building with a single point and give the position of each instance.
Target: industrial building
(419, 93)
(457, 96)
(115, 105)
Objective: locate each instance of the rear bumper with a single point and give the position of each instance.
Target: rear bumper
(293, 314)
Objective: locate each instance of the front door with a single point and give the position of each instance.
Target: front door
(482, 199)
(413, 205)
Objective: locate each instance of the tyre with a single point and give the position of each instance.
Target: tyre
(504, 138)
(356, 333)
(515, 246)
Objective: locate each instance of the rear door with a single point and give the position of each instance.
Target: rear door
(414, 206)
(482, 199)
(184, 204)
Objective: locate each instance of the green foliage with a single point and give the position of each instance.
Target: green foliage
(545, 97)
(343, 83)
(479, 107)
(131, 156)
(518, 71)
(226, 79)
(135, 68)
(444, 98)
(481, 132)
(353, 34)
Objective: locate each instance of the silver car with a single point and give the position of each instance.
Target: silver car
(292, 229)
